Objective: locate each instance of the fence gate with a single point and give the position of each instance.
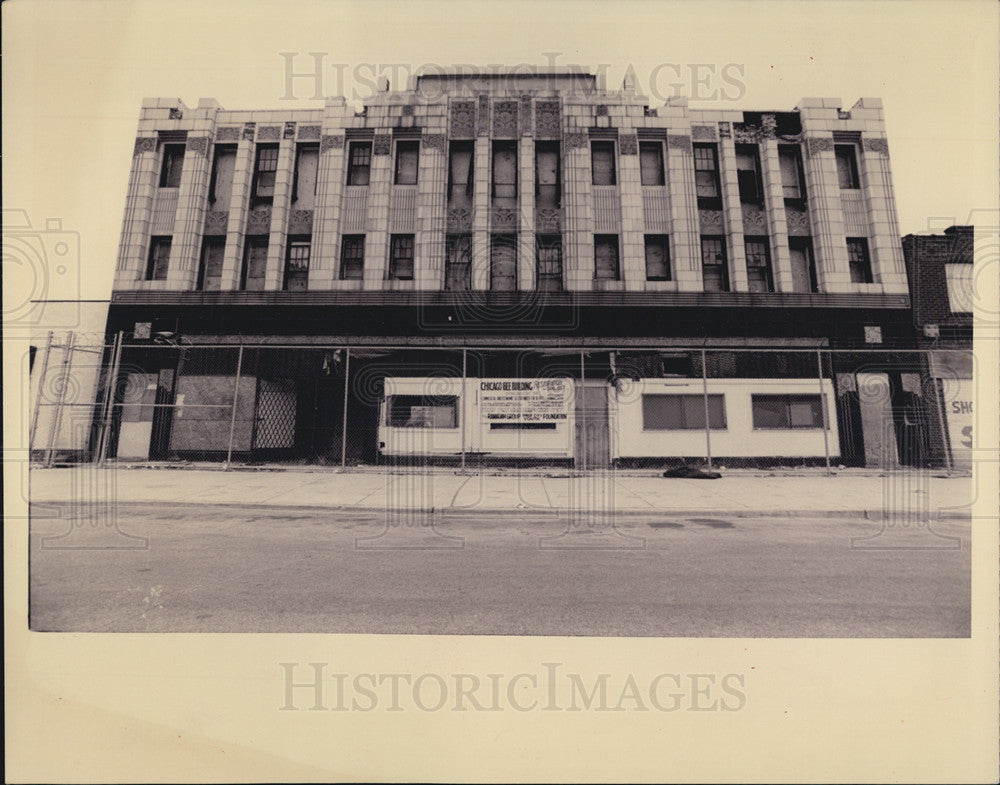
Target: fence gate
(275, 421)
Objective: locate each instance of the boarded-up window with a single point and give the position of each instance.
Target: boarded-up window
(503, 263)
(460, 174)
(352, 256)
(547, 182)
(458, 262)
(790, 161)
(505, 171)
(714, 267)
(785, 412)
(657, 257)
(172, 166)
(550, 263)
(401, 257)
(602, 162)
(606, 256)
(212, 253)
(422, 411)
(297, 264)
(662, 412)
(254, 264)
(306, 168)
(758, 264)
(651, 163)
(220, 188)
(407, 158)
(159, 259)
(847, 166)
(803, 265)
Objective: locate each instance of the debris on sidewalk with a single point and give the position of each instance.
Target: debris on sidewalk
(690, 472)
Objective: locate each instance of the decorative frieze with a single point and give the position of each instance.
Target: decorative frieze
(144, 144)
(249, 131)
(725, 131)
(259, 220)
(798, 221)
(433, 142)
(505, 118)
(710, 222)
(463, 119)
(548, 220)
(749, 134)
(575, 140)
(483, 115)
(331, 143)
(628, 144)
(228, 134)
(679, 142)
(216, 222)
(308, 133)
(875, 146)
(269, 133)
(459, 220)
(548, 119)
(526, 115)
(289, 132)
(703, 133)
(198, 143)
(300, 222)
(382, 144)
(503, 219)
(754, 219)
(818, 144)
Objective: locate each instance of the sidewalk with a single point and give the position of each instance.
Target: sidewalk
(807, 493)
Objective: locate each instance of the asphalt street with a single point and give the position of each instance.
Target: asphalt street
(196, 568)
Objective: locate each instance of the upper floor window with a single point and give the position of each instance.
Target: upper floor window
(172, 166)
(606, 257)
(657, 257)
(297, 264)
(213, 251)
(758, 254)
(460, 168)
(360, 163)
(254, 270)
(793, 184)
(159, 259)
(651, 163)
(264, 174)
(352, 257)
(714, 265)
(220, 187)
(401, 257)
(847, 166)
(548, 188)
(549, 260)
(602, 163)
(306, 173)
(407, 159)
(858, 260)
(505, 170)
(748, 173)
(706, 177)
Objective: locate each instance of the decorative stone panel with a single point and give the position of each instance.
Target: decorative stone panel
(754, 219)
(198, 143)
(463, 119)
(505, 118)
(725, 131)
(249, 131)
(503, 220)
(818, 144)
(748, 134)
(846, 383)
(602, 110)
(269, 133)
(144, 144)
(407, 110)
(228, 134)
(433, 142)
(483, 115)
(548, 220)
(628, 144)
(309, 132)
(331, 143)
(300, 222)
(703, 133)
(679, 142)
(710, 222)
(798, 221)
(876, 146)
(259, 221)
(459, 220)
(526, 114)
(216, 222)
(382, 144)
(574, 140)
(548, 119)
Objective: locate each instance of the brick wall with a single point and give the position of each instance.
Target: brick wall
(926, 257)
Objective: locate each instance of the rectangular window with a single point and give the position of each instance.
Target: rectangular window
(172, 166)
(793, 183)
(407, 159)
(602, 163)
(401, 257)
(213, 251)
(748, 173)
(858, 260)
(220, 187)
(606, 257)
(264, 174)
(657, 257)
(359, 163)
(847, 166)
(297, 264)
(422, 411)
(706, 177)
(548, 188)
(505, 172)
(306, 169)
(785, 412)
(352, 257)
(714, 265)
(549, 256)
(662, 412)
(758, 253)
(159, 259)
(460, 174)
(254, 264)
(503, 263)
(458, 262)
(651, 163)
(803, 265)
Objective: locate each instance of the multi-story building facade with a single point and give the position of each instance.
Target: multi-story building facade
(512, 264)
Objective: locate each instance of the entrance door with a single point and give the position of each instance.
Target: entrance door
(592, 443)
(877, 420)
(276, 401)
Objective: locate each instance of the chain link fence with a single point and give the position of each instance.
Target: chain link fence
(481, 407)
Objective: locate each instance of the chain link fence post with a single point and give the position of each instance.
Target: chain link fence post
(232, 419)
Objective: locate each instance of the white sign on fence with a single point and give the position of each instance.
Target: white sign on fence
(524, 400)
